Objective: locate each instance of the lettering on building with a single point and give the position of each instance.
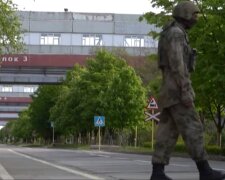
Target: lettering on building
(14, 59)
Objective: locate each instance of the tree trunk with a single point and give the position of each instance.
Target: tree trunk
(219, 139)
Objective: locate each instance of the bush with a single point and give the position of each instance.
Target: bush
(147, 144)
(215, 150)
(180, 147)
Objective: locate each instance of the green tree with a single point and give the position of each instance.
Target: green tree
(62, 113)
(22, 128)
(209, 70)
(42, 101)
(114, 90)
(125, 99)
(107, 86)
(6, 132)
(10, 28)
(206, 36)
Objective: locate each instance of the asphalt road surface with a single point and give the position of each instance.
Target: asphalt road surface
(42, 163)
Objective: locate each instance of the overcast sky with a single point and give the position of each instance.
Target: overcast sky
(92, 6)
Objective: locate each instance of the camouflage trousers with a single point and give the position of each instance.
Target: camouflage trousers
(174, 121)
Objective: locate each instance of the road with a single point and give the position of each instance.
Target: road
(42, 163)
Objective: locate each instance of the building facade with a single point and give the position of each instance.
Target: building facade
(65, 34)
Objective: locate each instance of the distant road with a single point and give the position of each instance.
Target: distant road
(41, 163)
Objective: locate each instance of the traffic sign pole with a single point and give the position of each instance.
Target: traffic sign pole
(152, 131)
(99, 121)
(152, 105)
(53, 136)
(135, 140)
(99, 138)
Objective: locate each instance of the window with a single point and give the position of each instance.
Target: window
(134, 41)
(50, 39)
(149, 42)
(28, 89)
(7, 89)
(91, 40)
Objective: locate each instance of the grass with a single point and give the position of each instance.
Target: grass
(179, 149)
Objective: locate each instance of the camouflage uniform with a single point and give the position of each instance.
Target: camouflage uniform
(176, 63)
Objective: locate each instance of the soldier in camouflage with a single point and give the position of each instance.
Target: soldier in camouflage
(178, 115)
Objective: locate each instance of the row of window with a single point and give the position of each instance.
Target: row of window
(96, 40)
(50, 39)
(26, 89)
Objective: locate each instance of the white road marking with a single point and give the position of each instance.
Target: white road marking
(76, 172)
(120, 158)
(143, 161)
(103, 156)
(181, 165)
(4, 174)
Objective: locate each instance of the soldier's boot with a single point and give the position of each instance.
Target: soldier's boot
(158, 172)
(207, 173)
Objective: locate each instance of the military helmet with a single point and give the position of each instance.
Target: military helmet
(185, 10)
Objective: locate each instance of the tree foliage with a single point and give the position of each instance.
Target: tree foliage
(107, 86)
(22, 128)
(42, 101)
(63, 113)
(10, 28)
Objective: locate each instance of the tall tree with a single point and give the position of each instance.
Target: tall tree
(114, 90)
(22, 128)
(107, 86)
(10, 28)
(62, 113)
(42, 101)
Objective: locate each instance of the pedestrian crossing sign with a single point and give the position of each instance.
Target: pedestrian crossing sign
(99, 121)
